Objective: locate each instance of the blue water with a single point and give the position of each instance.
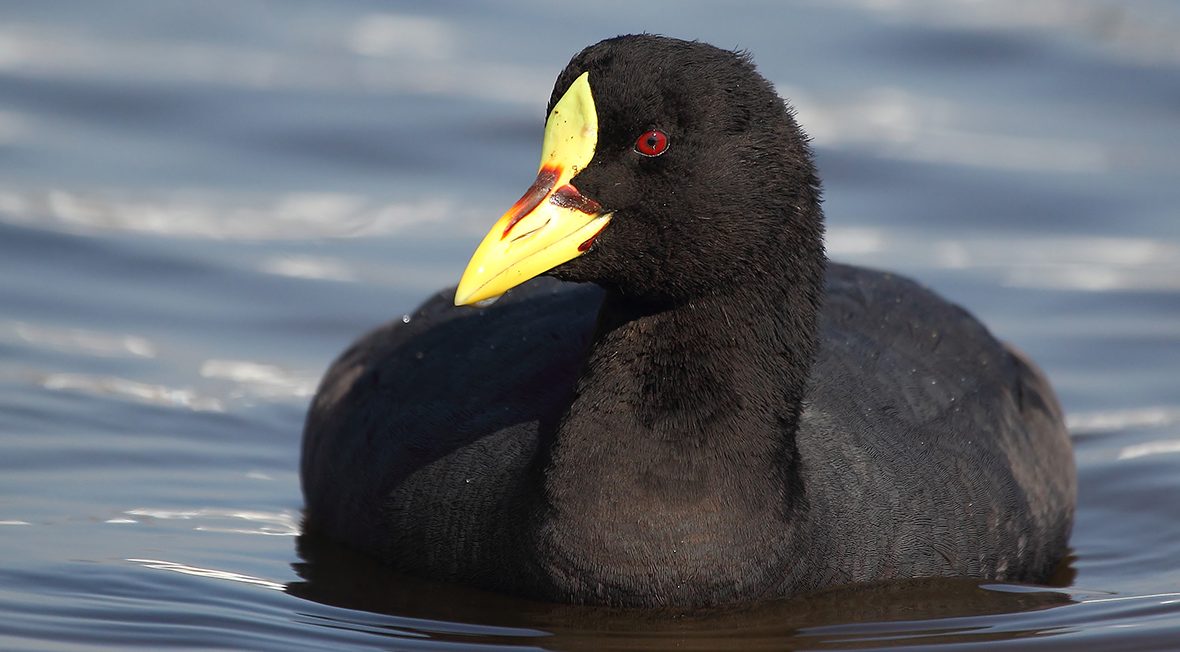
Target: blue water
(202, 203)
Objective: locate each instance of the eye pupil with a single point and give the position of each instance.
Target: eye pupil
(652, 143)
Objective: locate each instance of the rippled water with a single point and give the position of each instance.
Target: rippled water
(202, 203)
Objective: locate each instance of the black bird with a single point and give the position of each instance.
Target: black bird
(715, 414)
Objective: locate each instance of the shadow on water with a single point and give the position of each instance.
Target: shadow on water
(928, 611)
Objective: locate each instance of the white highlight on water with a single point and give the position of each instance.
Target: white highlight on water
(185, 569)
(261, 380)
(77, 340)
(131, 390)
(268, 523)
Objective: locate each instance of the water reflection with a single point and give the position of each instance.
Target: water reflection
(1137, 31)
(131, 390)
(893, 123)
(185, 569)
(398, 53)
(201, 206)
(211, 519)
(76, 340)
(258, 380)
(1091, 264)
(940, 611)
(1089, 423)
(288, 216)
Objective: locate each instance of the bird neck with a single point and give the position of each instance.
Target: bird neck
(677, 453)
(721, 371)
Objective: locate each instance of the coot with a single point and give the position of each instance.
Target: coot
(691, 406)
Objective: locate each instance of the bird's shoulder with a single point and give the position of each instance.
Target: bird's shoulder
(442, 377)
(884, 335)
(910, 384)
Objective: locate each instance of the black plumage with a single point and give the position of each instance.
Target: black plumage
(717, 416)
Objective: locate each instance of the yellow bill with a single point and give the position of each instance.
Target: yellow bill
(552, 223)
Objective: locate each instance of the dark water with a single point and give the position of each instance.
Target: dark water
(202, 203)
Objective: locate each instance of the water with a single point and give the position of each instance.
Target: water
(202, 203)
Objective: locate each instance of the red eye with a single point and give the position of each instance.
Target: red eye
(652, 143)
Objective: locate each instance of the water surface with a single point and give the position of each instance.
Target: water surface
(202, 203)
